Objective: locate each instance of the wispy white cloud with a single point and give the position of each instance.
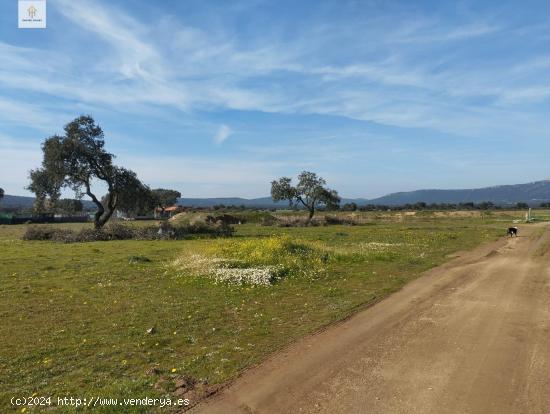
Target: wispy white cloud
(16, 112)
(223, 133)
(370, 72)
(133, 57)
(435, 34)
(426, 72)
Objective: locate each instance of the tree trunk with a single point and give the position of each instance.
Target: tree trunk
(103, 218)
(309, 206)
(100, 208)
(311, 213)
(97, 219)
(111, 207)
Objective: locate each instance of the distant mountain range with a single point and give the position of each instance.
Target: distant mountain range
(11, 201)
(262, 202)
(531, 193)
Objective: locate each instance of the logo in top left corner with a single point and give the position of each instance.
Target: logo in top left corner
(32, 14)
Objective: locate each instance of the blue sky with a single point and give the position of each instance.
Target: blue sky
(217, 98)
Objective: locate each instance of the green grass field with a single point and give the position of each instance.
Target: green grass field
(75, 316)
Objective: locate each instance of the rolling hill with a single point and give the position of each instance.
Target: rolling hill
(531, 193)
(11, 201)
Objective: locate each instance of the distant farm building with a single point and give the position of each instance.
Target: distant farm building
(168, 212)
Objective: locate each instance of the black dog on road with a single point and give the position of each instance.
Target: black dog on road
(513, 231)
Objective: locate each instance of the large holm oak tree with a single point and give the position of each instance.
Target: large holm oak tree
(311, 192)
(1, 193)
(78, 159)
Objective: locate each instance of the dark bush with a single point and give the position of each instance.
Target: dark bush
(146, 233)
(269, 220)
(117, 231)
(253, 216)
(47, 233)
(37, 233)
(220, 229)
(294, 221)
(331, 220)
(90, 235)
(135, 259)
(121, 232)
(224, 219)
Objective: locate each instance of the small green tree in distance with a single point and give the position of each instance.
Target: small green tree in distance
(165, 198)
(311, 192)
(68, 206)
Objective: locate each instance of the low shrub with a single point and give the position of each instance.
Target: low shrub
(90, 235)
(199, 228)
(135, 259)
(298, 221)
(116, 231)
(322, 220)
(335, 220)
(47, 233)
(224, 219)
(254, 216)
(269, 220)
(266, 251)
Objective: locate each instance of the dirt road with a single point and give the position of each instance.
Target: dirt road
(472, 336)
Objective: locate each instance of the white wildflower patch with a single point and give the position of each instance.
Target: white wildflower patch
(252, 275)
(223, 270)
(256, 262)
(198, 263)
(378, 246)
